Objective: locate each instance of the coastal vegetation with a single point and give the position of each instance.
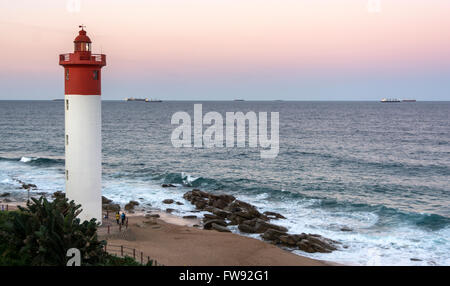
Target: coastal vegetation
(41, 233)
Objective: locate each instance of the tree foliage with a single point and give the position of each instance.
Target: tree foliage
(41, 234)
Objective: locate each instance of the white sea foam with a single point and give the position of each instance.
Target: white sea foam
(188, 179)
(26, 159)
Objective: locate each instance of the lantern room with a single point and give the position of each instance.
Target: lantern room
(82, 43)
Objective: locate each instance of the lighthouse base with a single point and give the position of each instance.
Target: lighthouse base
(83, 153)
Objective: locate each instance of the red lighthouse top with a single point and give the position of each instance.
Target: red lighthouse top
(82, 36)
(82, 68)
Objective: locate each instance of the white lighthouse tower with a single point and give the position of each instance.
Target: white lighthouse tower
(83, 142)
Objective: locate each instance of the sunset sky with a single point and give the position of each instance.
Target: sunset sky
(227, 49)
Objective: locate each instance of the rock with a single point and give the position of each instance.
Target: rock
(5, 195)
(111, 207)
(7, 200)
(190, 217)
(263, 226)
(168, 201)
(235, 219)
(219, 203)
(246, 228)
(169, 210)
(168, 186)
(274, 215)
(245, 210)
(289, 240)
(105, 200)
(244, 214)
(305, 246)
(152, 215)
(316, 243)
(345, 228)
(200, 204)
(29, 186)
(129, 207)
(135, 203)
(59, 194)
(415, 259)
(211, 216)
(260, 226)
(219, 228)
(202, 199)
(208, 224)
(179, 203)
(272, 234)
(220, 213)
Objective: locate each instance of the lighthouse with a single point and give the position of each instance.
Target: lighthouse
(83, 142)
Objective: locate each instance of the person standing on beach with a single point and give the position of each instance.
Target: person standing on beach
(117, 217)
(123, 217)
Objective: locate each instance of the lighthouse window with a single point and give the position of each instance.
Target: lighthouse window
(67, 104)
(67, 175)
(67, 139)
(82, 47)
(67, 74)
(96, 75)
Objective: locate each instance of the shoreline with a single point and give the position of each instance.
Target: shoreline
(172, 240)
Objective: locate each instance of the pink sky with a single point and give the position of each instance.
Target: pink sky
(223, 37)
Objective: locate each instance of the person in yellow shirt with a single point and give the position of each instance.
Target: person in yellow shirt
(117, 217)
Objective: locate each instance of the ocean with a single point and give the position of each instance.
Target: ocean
(379, 169)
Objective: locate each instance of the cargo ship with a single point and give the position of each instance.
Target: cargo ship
(390, 100)
(142, 99)
(408, 100)
(135, 99)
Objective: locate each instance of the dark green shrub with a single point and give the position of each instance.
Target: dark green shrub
(41, 234)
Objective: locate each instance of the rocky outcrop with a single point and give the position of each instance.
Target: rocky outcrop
(25, 185)
(111, 207)
(107, 205)
(168, 201)
(227, 210)
(130, 206)
(274, 215)
(306, 242)
(224, 206)
(105, 200)
(5, 195)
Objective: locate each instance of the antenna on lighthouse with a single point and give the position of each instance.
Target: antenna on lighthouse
(82, 27)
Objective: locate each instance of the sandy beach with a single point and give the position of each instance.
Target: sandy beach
(175, 243)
